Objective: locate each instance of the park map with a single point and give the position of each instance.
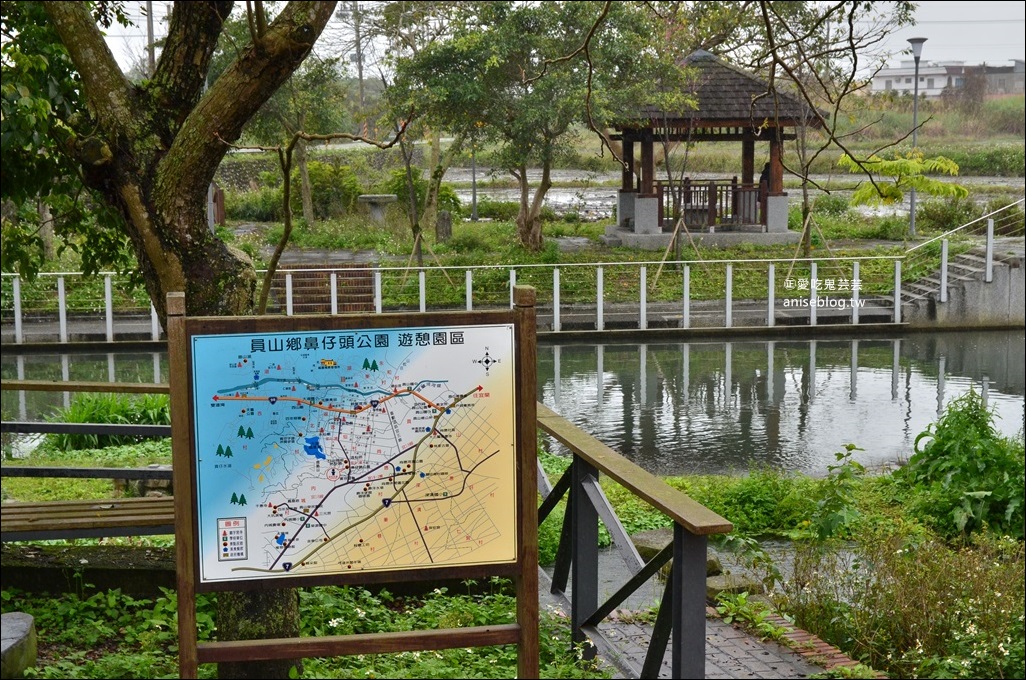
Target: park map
(327, 452)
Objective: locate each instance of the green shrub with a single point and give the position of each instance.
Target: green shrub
(1005, 115)
(945, 214)
(118, 409)
(491, 209)
(1009, 221)
(914, 607)
(830, 204)
(964, 476)
(334, 189)
(259, 205)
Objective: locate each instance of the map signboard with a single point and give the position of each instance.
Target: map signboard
(323, 452)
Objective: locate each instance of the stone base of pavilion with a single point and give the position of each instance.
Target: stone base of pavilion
(616, 236)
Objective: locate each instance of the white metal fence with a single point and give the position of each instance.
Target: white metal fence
(598, 295)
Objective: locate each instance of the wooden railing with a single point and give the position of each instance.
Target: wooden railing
(681, 618)
(712, 202)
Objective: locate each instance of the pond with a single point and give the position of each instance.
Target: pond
(723, 407)
(708, 406)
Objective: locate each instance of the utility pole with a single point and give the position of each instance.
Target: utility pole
(151, 60)
(359, 63)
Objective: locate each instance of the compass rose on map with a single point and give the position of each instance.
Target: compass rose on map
(487, 361)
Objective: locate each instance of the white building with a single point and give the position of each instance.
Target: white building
(934, 77)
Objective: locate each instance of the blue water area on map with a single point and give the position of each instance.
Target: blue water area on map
(313, 448)
(280, 538)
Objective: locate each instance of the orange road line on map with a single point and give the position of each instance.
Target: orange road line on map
(330, 408)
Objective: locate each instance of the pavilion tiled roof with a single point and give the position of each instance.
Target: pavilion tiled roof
(729, 96)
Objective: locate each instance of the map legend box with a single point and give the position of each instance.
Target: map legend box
(232, 534)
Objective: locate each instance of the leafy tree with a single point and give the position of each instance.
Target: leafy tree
(146, 153)
(906, 172)
(514, 74)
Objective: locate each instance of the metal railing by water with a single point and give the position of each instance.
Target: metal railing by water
(571, 296)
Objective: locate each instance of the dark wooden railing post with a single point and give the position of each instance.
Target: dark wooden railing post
(688, 586)
(584, 562)
(712, 202)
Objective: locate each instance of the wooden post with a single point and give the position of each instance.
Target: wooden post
(627, 169)
(443, 226)
(647, 166)
(527, 495)
(181, 456)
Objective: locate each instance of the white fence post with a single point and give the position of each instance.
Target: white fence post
(512, 284)
(154, 325)
(729, 295)
(685, 321)
(813, 286)
(855, 292)
(377, 291)
(555, 299)
(599, 321)
(62, 315)
(108, 304)
(16, 290)
(771, 294)
(944, 271)
(643, 299)
(897, 291)
(469, 286)
(334, 293)
(421, 284)
(988, 275)
(288, 294)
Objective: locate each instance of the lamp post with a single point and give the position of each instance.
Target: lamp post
(917, 51)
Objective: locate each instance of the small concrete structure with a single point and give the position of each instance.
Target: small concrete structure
(19, 644)
(377, 204)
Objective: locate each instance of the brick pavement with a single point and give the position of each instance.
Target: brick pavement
(730, 651)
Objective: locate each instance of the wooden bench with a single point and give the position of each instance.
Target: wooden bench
(87, 519)
(93, 518)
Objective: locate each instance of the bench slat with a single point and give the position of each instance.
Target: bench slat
(87, 519)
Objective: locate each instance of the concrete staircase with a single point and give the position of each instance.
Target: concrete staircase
(971, 301)
(311, 288)
(968, 266)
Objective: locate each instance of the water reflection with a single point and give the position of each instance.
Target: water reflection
(703, 406)
(728, 406)
(141, 367)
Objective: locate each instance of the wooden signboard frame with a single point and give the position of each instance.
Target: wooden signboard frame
(523, 569)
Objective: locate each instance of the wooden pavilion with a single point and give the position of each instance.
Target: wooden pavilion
(732, 106)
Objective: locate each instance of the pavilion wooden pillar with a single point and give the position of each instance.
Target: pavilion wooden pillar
(627, 170)
(776, 182)
(748, 158)
(647, 165)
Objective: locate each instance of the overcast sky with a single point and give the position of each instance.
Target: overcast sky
(973, 32)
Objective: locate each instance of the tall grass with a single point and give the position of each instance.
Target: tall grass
(115, 409)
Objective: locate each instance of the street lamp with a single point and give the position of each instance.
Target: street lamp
(917, 51)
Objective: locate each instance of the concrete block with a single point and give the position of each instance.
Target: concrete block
(776, 214)
(625, 209)
(646, 215)
(18, 650)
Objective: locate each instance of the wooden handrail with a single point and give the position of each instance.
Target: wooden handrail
(84, 386)
(678, 506)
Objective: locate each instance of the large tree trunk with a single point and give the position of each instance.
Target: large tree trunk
(529, 224)
(151, 151)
